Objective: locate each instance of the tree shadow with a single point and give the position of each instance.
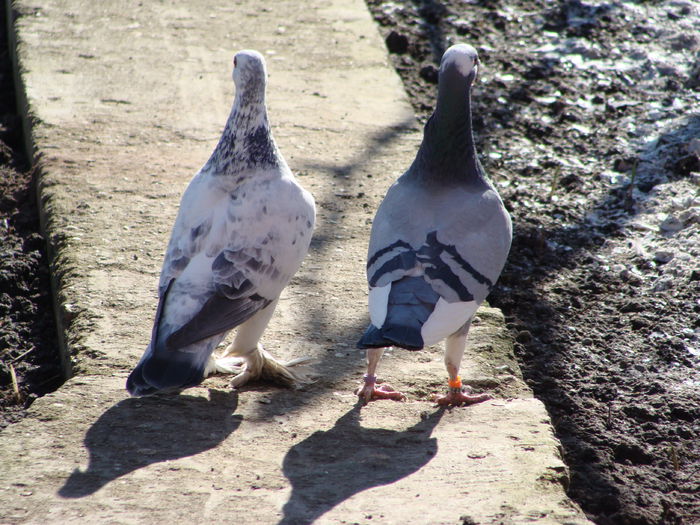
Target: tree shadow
(137, 432)
(538, 253)
(333, 465)
(338, 210)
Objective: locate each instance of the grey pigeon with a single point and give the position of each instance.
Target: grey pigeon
(243, 228)
(439, 240)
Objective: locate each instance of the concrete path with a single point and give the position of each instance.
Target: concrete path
(126, 101)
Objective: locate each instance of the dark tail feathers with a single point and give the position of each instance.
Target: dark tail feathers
(410, 303)
(407, 338)
(155, 375)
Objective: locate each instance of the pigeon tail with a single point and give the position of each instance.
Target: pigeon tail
(373, 338)
(137, 385)
(377, 338)
(158, 374)
(410, 303)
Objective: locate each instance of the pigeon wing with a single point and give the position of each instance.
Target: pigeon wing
(233, 301)
(458, 240)
(428, 270)
(219, 286)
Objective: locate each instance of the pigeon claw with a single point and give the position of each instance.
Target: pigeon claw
(458, 399)
(370, 392)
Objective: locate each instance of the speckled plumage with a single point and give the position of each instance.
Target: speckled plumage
(243, 228)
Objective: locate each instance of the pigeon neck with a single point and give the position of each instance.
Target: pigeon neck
(246, 142)
(447, 152)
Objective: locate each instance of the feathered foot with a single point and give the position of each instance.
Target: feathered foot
(259, 364)
(224, 365)
(370, 392)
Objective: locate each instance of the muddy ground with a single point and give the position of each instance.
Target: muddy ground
(588, 119)
(28, 346)
(586, 116)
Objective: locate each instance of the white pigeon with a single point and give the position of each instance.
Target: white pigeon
(243, 228)
(439, 240)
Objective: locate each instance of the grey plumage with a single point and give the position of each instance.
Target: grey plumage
(243, 228)
(441, 235)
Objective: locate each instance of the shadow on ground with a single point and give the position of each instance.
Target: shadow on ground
(337, 211)
(539, 254)
(132, 434)
(333, 465)
(135, 433)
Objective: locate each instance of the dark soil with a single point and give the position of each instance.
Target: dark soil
(585, 115)
(607, 333)
(28, 347)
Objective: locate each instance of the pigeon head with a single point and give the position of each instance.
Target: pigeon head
(246, 141)
(459, 66)
(249, 74)
(447, 151)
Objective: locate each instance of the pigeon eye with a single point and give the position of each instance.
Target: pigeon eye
(235, 62)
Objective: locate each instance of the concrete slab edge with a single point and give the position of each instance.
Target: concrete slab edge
(57, 260)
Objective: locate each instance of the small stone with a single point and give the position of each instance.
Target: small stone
(683, 202)
(671, 224)
(462, 27)
(667, 70)
(684, 41)
(693, 81)
(663, 284)
(625, 164)
(523, 337)
(69, 312)
(632, 305)
(630, 277)
(637, 323)
(694, 147)
(686, 165)
(663, 256)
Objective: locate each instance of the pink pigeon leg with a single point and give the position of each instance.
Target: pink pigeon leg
(369, 391)
(457, 396)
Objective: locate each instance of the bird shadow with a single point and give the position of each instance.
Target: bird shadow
(331, 466)
(137, 432)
